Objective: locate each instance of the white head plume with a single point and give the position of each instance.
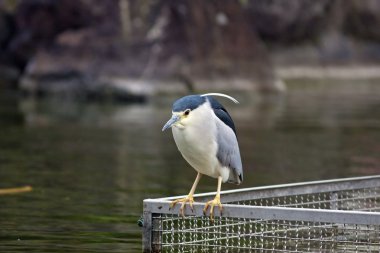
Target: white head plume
(221, 95)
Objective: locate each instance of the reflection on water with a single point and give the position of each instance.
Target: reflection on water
(92, 165)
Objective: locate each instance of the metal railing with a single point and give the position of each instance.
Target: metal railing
(341, 215)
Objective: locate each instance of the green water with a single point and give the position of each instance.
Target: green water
(91, 165)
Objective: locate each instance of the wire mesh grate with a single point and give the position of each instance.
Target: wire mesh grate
(365, 199)
(192, 234)
(324, 216)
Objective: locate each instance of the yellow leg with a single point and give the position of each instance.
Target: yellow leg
(215, 201)
(189, 197)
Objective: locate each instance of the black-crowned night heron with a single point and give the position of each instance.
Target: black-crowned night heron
(206, 137)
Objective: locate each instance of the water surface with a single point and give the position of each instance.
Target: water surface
(91, 165)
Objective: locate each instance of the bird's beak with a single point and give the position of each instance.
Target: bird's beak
(174, 119)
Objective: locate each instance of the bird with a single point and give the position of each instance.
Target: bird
(205, 135)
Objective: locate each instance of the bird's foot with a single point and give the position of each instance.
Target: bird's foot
(189, 199)
(212, 203)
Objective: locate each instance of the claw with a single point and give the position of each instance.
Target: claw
(189, 199)
(191, 205)
(212, 204)
(205, 208)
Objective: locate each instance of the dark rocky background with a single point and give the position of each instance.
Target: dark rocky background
(129, 49)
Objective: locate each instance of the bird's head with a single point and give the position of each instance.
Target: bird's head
(184, 110)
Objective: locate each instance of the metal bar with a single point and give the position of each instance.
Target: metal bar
(156, 235)
(328, 201)
(334, 200)
(290, 189)
(272, 213)
(147, 231)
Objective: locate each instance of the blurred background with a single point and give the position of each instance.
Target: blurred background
(86, 86)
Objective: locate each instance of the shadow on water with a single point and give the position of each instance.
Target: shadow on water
(91, 165)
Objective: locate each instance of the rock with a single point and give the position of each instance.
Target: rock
(8, 73)
(9, 76)
(75, 85)
(6, 28)
(133, 49)
(93, 62)
(211, 41)
(38, 22)
(362, 19)
(76, 67)
(289, 21)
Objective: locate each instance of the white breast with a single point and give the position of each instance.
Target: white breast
(196, 141)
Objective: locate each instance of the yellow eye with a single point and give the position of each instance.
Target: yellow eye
(187, 112)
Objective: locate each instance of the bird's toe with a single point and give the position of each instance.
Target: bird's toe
(188, 199)
(212, 204)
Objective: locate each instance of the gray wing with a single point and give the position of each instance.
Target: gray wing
(228, 152)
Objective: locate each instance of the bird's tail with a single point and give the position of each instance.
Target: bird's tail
(235, 178)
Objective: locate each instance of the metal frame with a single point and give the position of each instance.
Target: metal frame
(161, 206)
